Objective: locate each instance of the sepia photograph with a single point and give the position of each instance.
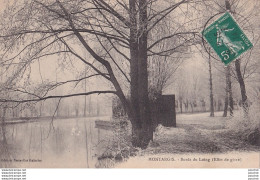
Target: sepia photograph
(130, 84)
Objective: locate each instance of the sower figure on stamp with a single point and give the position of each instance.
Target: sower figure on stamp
(234, 46)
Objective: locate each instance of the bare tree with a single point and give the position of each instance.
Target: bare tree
(239, 73)
(115, 34)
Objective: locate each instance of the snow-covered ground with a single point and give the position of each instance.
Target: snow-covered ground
(196, 135)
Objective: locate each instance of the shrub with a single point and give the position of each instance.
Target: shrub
(119, 148)
(247, 127)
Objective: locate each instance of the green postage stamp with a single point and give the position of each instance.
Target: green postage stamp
(227, 38)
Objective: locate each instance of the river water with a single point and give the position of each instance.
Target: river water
(63, 143)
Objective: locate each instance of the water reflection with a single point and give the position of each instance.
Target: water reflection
(5, 154)
(61, 144)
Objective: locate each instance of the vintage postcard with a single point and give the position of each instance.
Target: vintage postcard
(129, 84)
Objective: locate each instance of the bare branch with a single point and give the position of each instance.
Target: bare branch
(56, 97)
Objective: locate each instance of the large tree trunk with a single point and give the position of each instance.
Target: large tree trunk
(141, 136)
(142, 128)
(144, 104)
(211, 89)
(242, 87)
(134, 116)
